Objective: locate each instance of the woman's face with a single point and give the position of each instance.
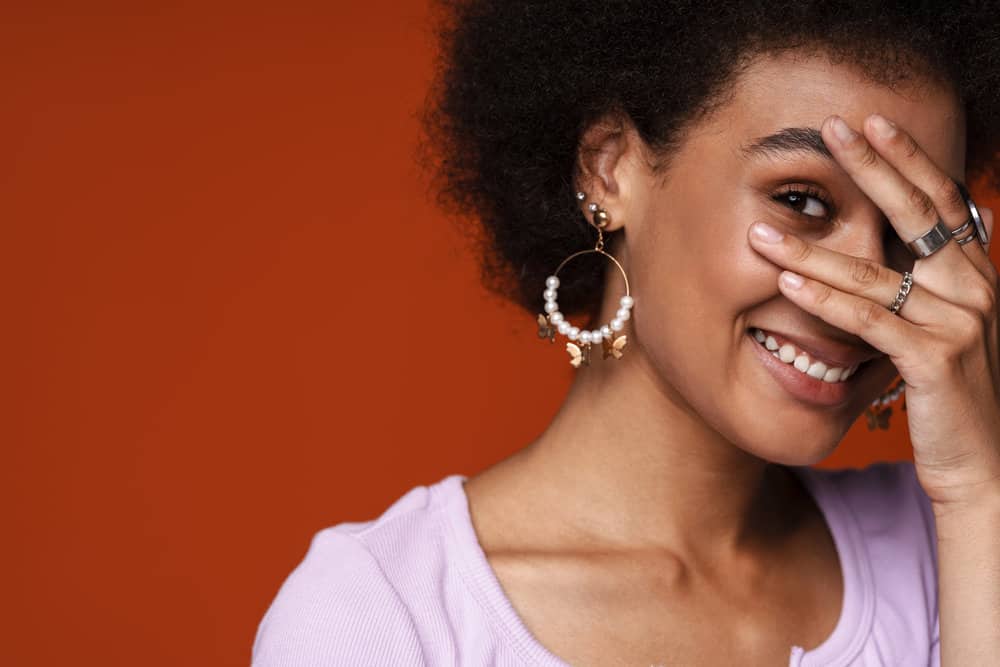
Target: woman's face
(700, 289)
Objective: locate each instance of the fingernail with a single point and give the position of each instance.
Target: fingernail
(883, 128)
(841, 130)
(791, 280)
(766, 232)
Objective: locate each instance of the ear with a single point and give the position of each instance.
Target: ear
(608, 156)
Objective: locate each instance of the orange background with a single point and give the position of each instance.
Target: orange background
(233, 316)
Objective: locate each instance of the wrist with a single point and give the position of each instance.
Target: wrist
(972, 502)
(951, 487)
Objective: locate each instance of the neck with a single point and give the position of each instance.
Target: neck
(644, 470)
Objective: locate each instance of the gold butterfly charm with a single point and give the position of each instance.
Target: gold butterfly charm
(613, 349)
(578, 356)
(546, 330)
(878, 419)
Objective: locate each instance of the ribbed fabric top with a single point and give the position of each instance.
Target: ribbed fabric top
(414, 587)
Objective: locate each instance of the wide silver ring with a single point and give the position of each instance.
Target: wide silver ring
(931, 241)
(904, 291)
(974, 216)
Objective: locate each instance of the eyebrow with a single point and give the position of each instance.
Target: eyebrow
(788, 140)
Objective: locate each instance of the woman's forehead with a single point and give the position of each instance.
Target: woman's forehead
(790, 95)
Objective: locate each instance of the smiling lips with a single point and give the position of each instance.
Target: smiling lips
(821, 369)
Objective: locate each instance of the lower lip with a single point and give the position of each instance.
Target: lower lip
(804, 387)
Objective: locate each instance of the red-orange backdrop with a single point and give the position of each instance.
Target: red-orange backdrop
(233, 316)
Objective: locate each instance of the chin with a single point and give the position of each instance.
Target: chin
(788, 416)
(787, 443)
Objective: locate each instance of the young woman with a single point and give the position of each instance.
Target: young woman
(779, 182)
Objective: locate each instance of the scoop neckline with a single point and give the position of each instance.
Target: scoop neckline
(840, 647)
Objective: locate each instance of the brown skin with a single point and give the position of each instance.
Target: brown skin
(649, 523)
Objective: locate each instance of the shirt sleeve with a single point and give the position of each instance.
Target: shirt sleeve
(337, 608)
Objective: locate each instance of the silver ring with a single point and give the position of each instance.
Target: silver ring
(958, 231)
(904, 290)
(974, 215)
(931, 241)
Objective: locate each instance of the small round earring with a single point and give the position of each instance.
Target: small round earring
(877, 414)
(555, 321)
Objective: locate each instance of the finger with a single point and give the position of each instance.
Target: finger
(854, 275)
(897, 337)
(988, 219)
(982, 260)
(910, 210)
(934, 187)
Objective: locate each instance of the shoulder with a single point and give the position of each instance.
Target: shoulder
(343, 604)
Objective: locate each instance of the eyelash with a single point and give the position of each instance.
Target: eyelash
(804, 190)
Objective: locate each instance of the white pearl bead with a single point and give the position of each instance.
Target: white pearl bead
(626, 301)
(617, 324)
(556, 317)
(623, 314)
(550, 294)
(563, 327)
(552, 282)
(574, 333)
(595, 336)
(551, 306)
(606, 331)
(585, 337)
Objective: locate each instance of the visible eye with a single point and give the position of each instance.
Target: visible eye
(805, 199)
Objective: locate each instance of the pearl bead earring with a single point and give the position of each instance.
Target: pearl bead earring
(878, 412)
(555, 321)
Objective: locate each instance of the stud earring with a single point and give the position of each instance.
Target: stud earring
(554, 321)
(877, 414)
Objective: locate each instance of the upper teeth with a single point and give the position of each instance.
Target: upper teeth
(800, 361)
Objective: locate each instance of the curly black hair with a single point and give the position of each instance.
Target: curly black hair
(517, 81)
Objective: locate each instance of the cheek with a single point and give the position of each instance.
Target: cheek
(698, 283)
(695, 262)
(700, 286)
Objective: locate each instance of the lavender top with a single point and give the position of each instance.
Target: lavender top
(413, 586)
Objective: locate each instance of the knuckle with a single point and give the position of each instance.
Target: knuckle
(950, 197)
(866, 313)
(864, 272)
(993, 277)
(800, 251)
(981, 295)
(966, 325)
(918, 202)
(970, 326)
(868, 157)
(909, 147)
(822, 294)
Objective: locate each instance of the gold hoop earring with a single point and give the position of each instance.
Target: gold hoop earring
(553, 321)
